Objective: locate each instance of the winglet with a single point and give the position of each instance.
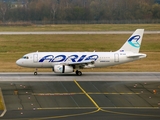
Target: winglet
(133, 44)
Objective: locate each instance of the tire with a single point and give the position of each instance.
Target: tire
(35, 73)
(79, 73)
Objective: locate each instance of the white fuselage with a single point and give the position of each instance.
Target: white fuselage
(100, 59)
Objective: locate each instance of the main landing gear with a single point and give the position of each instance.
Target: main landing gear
(79, 73)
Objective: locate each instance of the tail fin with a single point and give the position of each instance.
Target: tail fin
(133, 44)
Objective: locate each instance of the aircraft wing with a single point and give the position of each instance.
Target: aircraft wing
(79, 63)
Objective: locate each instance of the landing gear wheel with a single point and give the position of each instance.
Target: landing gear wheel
(79, 73)
(35, 73)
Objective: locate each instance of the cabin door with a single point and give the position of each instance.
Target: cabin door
(116, 57)
(35, 57)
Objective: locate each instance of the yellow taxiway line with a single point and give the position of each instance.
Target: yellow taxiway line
(2, 104)
(87, 95)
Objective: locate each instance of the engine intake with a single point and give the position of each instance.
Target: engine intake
(62, 69)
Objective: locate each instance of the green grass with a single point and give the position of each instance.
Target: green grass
(12, 47)
(81, 27)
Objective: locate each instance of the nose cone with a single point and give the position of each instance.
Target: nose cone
(19, 62)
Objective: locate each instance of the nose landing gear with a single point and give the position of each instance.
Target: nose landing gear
(35, 73)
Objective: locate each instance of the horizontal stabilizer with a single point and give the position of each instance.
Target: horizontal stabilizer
(136, 55)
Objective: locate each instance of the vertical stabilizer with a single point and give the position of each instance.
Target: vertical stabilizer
(133, 44)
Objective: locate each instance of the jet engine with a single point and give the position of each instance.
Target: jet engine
(63, 69)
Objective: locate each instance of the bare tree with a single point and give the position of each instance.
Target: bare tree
(54, 7)
(3, 10)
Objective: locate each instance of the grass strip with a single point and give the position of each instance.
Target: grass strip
(12, 47)
(81, 27)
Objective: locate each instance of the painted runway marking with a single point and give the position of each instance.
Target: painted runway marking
(80, 93)
(87, 95)
(74, 108)
(131, 114)
(130, 107)
(66, 108)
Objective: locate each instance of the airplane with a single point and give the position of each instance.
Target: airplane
(68, 62)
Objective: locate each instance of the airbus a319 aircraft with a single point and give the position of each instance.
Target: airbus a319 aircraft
(68, 62)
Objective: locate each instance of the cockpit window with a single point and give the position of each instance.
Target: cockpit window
(25, 57)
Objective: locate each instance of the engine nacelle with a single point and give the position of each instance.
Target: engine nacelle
(62, 69)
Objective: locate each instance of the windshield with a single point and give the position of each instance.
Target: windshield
(25, 57)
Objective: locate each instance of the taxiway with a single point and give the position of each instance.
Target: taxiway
(110, 95)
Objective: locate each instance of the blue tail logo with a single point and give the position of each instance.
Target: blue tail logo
(134, 41)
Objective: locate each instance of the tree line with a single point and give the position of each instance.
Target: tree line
(79, 10)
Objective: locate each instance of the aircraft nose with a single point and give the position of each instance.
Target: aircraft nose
(19, 62)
